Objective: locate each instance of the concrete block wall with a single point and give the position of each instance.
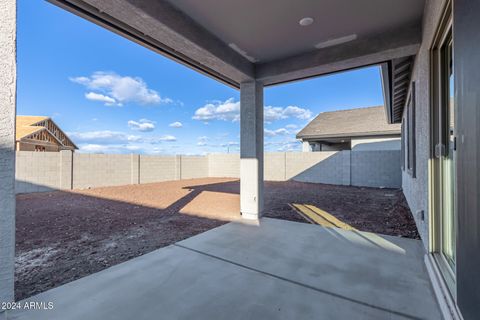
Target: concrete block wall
(193, 167)
(158, 168)
(37, 171)
(45, 171)
(224, 165)
(332, 167)
(373, 168)
(66, 169)
(135, 169)
(101, 170)
(275, 166)
(376, 169)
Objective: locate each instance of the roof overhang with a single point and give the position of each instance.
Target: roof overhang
(349, 135)
(195, 34)
(396, 75)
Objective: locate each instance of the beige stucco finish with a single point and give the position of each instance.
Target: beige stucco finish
(7, 146)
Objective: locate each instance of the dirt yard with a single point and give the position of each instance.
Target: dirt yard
(63, 236)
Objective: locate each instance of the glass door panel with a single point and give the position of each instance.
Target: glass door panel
(447, 161)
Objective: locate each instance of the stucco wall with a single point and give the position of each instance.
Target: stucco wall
(416, 189)
(8, 76)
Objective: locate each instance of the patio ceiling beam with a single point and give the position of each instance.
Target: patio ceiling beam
(159, 26)
(355, 54)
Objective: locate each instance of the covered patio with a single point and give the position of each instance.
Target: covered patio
(271, 270)
(259, 268)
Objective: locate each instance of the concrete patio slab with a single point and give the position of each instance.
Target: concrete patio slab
(381, 271)
(274, 270)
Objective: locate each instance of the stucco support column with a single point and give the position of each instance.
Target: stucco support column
(7, 147)
(251, 149)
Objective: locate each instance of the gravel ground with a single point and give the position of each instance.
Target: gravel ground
(63, 236)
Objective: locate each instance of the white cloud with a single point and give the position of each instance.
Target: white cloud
(103, 137)
(167, 138)
(176, 124)
(229, 110)
(202, 141)
(113, 89)
(278, 113)
(277, 132)
(109, 101)
(269, 133)
(287, 145)
(143, 125)
(291, 126)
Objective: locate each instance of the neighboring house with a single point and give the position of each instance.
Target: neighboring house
(354, 129)
(37, 133)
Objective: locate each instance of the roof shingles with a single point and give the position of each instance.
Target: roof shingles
(370, 121)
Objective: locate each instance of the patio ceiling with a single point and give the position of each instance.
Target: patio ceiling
(269, 30)
(236, 41)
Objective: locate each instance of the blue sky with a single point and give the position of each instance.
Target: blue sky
(114, 96)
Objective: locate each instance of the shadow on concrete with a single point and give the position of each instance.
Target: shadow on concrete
(65, 235)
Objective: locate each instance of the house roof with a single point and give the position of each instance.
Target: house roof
(27, 125)
(371, 121)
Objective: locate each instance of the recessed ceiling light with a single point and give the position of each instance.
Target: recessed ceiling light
(305, 21)
(336, 41)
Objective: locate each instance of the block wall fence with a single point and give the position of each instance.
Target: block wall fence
(47, 171)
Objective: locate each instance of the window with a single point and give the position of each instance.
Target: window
(40, 148)
(411, 133)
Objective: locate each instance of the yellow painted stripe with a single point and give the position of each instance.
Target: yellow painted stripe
(319, 216)
(312, 215)
(332, 219)
(301, 214)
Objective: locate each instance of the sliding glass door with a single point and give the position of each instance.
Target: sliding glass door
(447, 160)
(444, 154)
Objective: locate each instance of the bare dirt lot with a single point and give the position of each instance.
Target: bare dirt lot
(63, 236)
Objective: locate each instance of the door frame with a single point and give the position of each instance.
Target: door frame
(437, 97)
